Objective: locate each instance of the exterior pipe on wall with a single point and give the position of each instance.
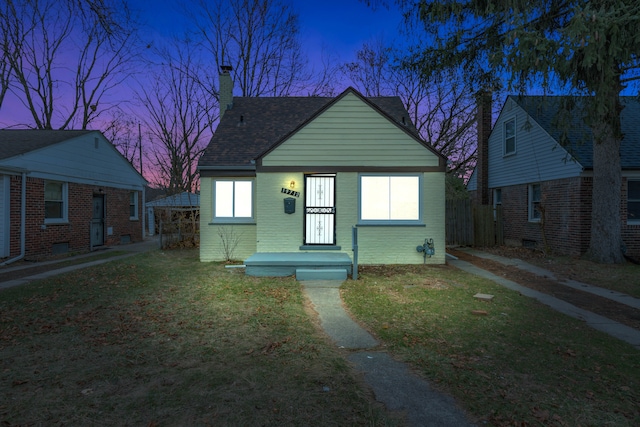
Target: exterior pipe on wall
(23, 221)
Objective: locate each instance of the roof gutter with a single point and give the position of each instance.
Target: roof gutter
(23, 214)
(209, 171)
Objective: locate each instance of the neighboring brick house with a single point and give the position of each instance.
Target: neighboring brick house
(294, 175)
(533, 176)
(65, 191)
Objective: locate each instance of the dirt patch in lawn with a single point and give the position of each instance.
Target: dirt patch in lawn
(605, 307)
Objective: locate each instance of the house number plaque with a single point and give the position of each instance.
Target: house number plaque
(290, 192)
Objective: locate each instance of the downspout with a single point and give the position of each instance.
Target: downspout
(23, 221)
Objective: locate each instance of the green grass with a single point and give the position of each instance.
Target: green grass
(520, 364)
(162, 339)
(623, 278)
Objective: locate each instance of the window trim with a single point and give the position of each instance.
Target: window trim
(530, 203)
(392, 222)
(64, 219)
(497, 201)
(135, 205)
(506, 153)
(233, 220)
(637, 220)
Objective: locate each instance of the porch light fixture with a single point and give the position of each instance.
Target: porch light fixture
(292, 184)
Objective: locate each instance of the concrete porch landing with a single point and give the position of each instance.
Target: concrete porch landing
(305, 265)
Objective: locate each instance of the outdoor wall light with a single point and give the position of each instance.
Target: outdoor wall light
(292, 184)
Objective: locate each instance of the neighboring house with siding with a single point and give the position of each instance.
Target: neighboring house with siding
(296, 175)
(65, 191)
(540, 169)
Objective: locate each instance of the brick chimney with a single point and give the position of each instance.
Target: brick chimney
(225, 95)
(483, 128)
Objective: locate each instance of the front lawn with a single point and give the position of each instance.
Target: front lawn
(511, 361)
(162, 339)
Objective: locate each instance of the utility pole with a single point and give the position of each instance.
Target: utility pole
(140, 146)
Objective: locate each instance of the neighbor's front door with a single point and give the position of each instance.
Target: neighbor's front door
(320, 210)
(97, 222)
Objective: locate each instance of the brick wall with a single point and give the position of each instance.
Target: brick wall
(567, 217)
(41, 237)
(567, 204)
(630, 232)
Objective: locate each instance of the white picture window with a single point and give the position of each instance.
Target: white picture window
(389, 198)
(233, 200)
(633, 201)
(133, 205)
(535, 195)
(510, 137)
(55, 202)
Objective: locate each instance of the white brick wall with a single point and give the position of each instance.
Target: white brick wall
(277, 231)
(211, 246)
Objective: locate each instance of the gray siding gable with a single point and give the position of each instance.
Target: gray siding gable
(538, 156)
(563, 119)
(87, 158)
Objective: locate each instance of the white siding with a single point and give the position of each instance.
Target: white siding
(80, 160)
(351, 133)
(538, 157)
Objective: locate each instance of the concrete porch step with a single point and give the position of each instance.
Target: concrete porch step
(288, 263)
(305, 274)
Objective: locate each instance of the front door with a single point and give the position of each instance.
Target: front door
(320, 210)
(97, 222)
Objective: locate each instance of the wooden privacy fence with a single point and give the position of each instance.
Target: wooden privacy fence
(468, 224)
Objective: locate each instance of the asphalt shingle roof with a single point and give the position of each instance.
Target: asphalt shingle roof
(254, 125)
(572, 132)
(177, 200)
(14, 142)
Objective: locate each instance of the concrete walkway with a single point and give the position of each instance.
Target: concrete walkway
(615, 329)
(150, 243)
(391, 381)
(396, 386)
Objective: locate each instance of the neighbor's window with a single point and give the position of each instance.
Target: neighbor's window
(55, 201)
(510, 136)
(390, 198)
(133, 205)
(233, 200)
(535, 214)
(497, 201)
(633, 201)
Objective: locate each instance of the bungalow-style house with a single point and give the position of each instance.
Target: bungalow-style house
(65, 191)
(290, 180)
(532, 175)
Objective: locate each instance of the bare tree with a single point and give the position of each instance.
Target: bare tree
(124, 132)
(259, 39)
(442, 108)
(66, 57)
(5, 69)
(372, 72)
(180, 113)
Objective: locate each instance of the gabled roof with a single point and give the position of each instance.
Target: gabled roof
(14, 142)
(177, 200)
(575, 136)
(255, 125)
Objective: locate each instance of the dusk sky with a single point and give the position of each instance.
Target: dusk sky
(339, 27)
